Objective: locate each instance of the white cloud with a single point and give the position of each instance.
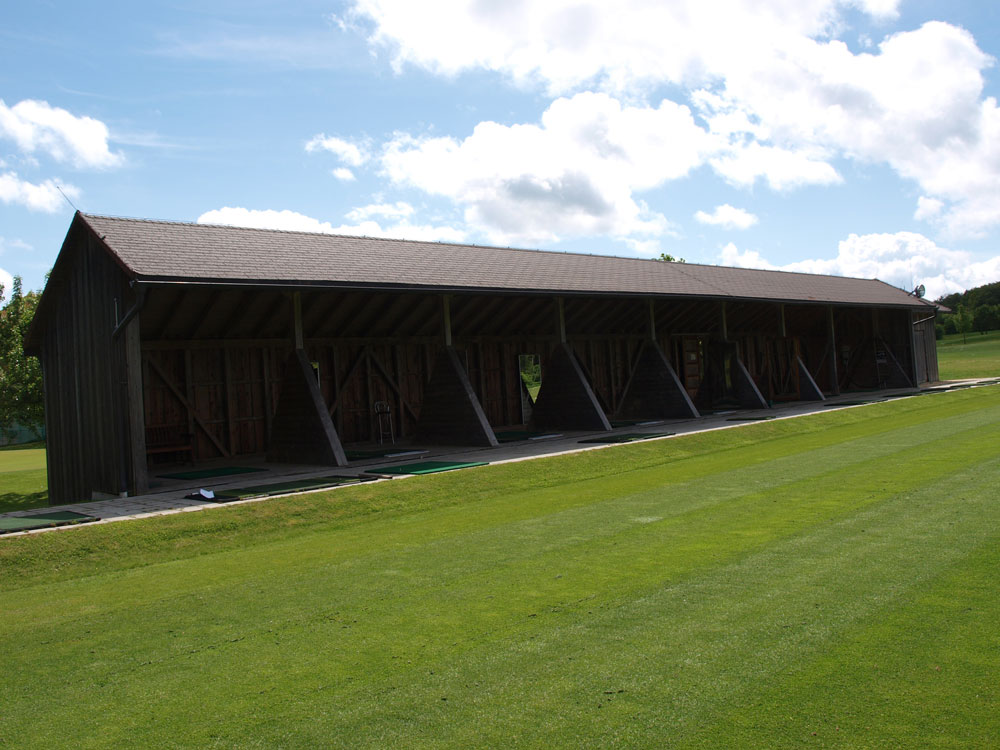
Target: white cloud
(37, 126)
(296, 222)
(397, 210)
(728, 217)
(569, 43)
(915, 105)
(903, 259)
(343, 174)
(783, 169)
(37, 197)
(927, 208)
(353, 154)
(8, 283)
(573, 174)
(14, 244)
(783, 97)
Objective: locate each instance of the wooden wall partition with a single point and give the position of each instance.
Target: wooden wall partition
(223, 391)
(87, 380)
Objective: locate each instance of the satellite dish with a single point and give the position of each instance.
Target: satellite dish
(920, 291)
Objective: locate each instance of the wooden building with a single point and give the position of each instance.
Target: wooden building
(169, 342)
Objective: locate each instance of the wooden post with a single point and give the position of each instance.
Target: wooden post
(136, 409)
(834, 377)
(265, 358)
(227, 375)
(725, 326)
(446, 312)
(784, 329)
(652, 322)
(561, 309)
(297, 312)
(189, 392)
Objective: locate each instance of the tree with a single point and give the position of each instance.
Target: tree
(21, 398)
(963, 321)
(668, 258)
(986, 318)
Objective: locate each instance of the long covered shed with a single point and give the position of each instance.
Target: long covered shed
(165, 341)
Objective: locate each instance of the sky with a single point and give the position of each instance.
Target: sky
(849, 137)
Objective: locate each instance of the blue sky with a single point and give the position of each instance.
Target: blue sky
(856, 137)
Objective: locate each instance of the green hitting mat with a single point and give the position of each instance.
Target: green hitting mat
(628, 437)
(219, 471)
(427, 467)
(361, 455)
(854, 403)
(748, 419)
(635, 422)
(282, 488)
(43, 520)
(513, 436)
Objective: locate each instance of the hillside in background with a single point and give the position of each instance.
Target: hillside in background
(975, 309)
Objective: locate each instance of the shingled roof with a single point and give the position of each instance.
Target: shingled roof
(160, 251)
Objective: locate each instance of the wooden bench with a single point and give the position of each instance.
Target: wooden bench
(169, 439)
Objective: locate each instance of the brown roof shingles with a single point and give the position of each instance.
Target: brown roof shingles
(173, 251)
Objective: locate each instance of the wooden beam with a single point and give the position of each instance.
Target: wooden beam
(172, 306)
(561, 311)
(297, 319)
(187, 405)
(446, 315)
(136, 410)
(238, 312)
(347, 378)
(227, 376)
(391, 382)
(834, 377)
(265, 358)
(303, 432)
(207, 315)
(451, 414)
(566, 401)
(189, 392)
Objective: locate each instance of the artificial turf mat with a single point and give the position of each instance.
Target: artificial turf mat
(628, 437)
(281, 488)
(427, 467)
(510, 436)
(43, 520)
(219, 471)
(854, 403)
(513, 436)
(635, 422)
(362, 455)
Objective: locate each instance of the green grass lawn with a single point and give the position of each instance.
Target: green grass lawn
(979, 358)
(824, 581)
(23, 483)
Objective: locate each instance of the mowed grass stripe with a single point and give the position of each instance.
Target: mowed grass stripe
(333, 627)
(596, 507)
(124, 546)
(712, 621)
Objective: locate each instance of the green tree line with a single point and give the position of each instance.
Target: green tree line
(21, 398)
(972, 311)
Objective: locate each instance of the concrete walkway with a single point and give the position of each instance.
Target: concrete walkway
(169, 496)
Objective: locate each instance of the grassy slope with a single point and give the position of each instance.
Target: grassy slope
(979, 358)
(829, 579)
(23, 483)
